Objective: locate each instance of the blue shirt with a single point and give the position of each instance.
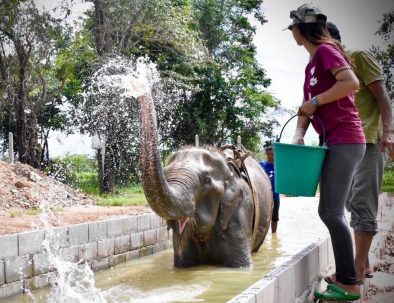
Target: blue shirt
(270, 171)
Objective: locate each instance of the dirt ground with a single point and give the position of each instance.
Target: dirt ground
(23, 189)
(67, 216)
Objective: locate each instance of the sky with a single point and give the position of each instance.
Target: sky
(278, 53)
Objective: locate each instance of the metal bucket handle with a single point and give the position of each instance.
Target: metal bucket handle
(321, 123)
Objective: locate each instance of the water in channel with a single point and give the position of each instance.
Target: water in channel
(154, 279)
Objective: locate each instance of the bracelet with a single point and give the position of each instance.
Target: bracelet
(341, 70)
(314, 101)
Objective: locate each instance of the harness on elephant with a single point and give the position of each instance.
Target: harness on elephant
(237, 161)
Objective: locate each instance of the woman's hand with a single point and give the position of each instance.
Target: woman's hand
(306, 109)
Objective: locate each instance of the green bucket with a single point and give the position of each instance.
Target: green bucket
(297, 167)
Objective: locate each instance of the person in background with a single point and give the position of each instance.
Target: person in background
(328, 96)
(374, 107)
(269, 169)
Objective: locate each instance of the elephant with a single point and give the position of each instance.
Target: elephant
(218, 206)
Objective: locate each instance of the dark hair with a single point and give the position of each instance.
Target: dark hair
(269, 148)
(334, 31)
(317, 33)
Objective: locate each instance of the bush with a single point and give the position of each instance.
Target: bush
(388, 178)
(78, 171)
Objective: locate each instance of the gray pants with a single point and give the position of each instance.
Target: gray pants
(364, 195)
(335, 182)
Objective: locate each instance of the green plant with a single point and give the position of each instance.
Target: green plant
(124, 196)
(388, 178)
(74, 170)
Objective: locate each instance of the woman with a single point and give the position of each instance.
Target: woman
(329, 101)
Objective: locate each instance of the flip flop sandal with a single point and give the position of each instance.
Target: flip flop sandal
(336, 293)
(369, 275)
(330, 280)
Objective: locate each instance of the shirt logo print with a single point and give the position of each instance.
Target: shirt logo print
(313, 80)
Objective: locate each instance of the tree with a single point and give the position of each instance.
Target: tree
(29, 40)
(386, 57)
(211, 82)
(231, 96)
(129, 29)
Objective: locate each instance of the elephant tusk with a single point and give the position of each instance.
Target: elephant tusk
(182, 224)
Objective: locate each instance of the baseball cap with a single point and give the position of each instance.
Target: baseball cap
(307, 13)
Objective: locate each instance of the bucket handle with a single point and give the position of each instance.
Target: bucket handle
(321, 123)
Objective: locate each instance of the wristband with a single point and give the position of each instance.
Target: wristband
(314, 101)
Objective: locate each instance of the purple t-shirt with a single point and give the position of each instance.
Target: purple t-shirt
(340, 118)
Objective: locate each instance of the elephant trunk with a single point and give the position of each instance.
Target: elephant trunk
(160, 196)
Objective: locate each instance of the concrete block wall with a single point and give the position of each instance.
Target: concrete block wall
(103, 244)
(293, 281)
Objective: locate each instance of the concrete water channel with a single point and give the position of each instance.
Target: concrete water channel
(285, 269)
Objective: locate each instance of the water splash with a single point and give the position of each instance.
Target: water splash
(125, 77)
(73, 282)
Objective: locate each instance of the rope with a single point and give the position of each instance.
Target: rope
(238, 162)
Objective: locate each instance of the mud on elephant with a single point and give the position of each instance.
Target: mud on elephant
(218, 205)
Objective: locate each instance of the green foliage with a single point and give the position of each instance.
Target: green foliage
(78, 171)
(386, 56)
(124, 196)
(30, 40)
(212, 82)
(231, 96)
(388, 178)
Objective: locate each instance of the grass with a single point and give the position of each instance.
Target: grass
(123, 196)
(87, 182)
(20, 213)
(388, 181)
(29, 212)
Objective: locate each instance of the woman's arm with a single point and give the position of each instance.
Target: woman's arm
(346, 83)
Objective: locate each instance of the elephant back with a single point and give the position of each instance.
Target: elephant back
(263, 193)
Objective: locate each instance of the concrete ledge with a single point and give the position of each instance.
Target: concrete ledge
(293, 281)
(24, 263)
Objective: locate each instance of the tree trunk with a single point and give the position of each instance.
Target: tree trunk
(106, 170)
(21, 119)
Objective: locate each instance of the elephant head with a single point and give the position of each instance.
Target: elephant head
(206, 201)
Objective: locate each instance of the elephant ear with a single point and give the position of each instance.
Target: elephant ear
(232, 197)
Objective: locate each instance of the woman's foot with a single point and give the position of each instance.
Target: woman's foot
(336, 293)
(355, 289)
(369, 273)
(331, 279)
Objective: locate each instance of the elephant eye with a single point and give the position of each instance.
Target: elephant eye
(207, 180)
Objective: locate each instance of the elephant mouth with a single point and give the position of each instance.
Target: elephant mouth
(182, 224)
